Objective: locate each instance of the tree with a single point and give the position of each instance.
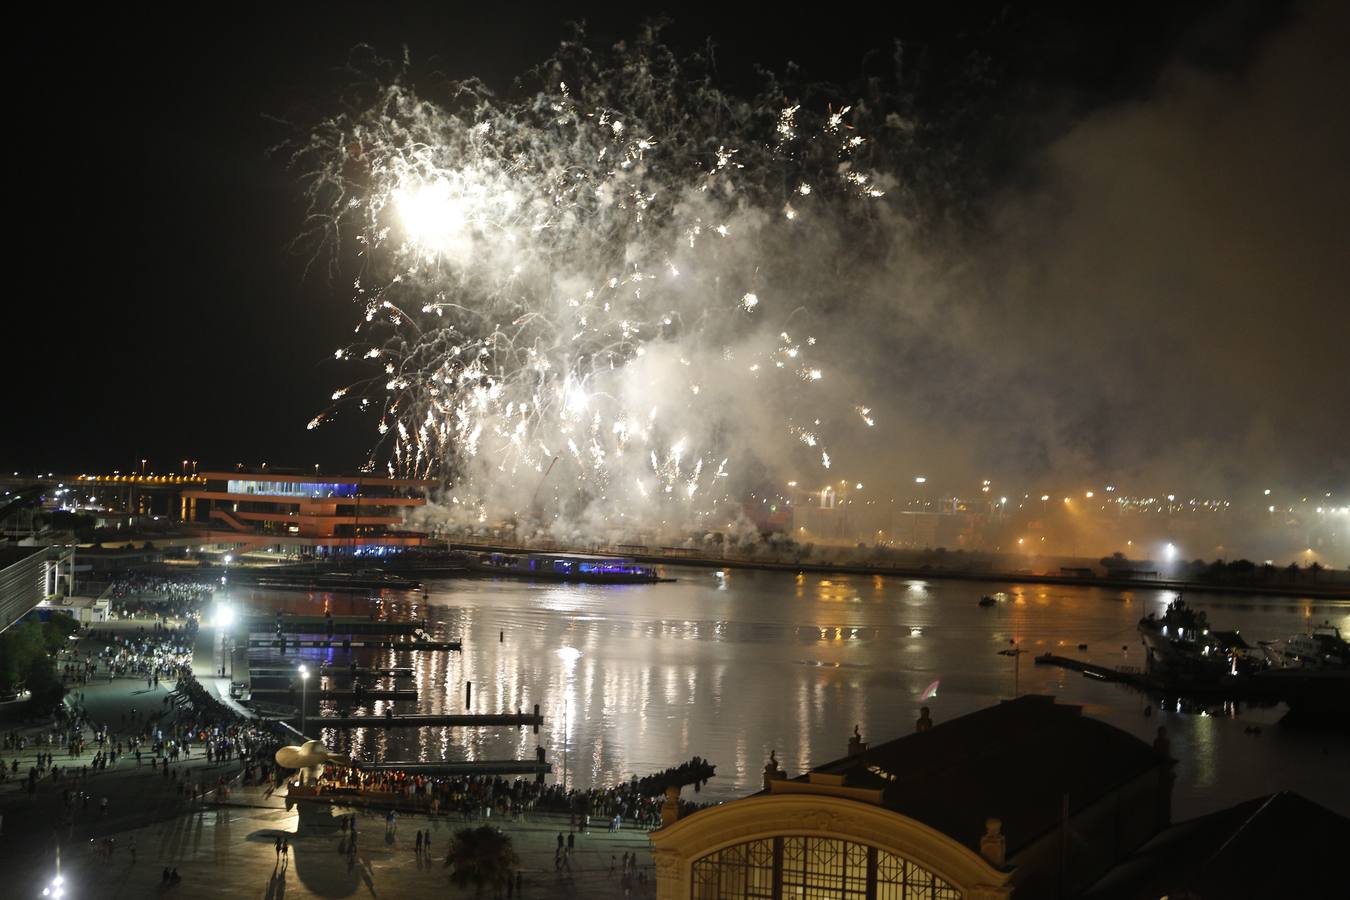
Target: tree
(481, 857)
(26, 660)
(1314, 567)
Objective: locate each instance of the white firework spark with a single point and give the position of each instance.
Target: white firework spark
(537, 272)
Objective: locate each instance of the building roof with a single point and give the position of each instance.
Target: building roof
(1014, 761)
(1281, 845)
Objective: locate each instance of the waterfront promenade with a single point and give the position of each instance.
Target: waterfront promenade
(224, 846)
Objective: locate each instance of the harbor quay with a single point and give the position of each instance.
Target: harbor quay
(177, 821)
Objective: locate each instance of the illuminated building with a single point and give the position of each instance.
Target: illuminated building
(284, 509)
(1028, 799)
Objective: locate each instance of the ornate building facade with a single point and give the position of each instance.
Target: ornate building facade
(1025, 799)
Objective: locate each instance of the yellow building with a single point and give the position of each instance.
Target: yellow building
(1025, 799)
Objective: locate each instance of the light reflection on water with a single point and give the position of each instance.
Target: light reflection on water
(731, 668)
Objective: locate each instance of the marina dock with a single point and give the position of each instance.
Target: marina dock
(273, 671)
(476, 767)
(465, 720)
(341, 694)
(320, 625)
(284, 644)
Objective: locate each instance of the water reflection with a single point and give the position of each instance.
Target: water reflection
(730, 668)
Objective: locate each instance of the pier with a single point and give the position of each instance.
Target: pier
(345, 694)
(465, 720)
(1313, 693)
(334, 672)
(284, 644)
(330, 625)
(477, 767)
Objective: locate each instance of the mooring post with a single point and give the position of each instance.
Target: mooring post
(468, 694)
(536, 718)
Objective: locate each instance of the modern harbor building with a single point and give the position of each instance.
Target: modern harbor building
(305, 512)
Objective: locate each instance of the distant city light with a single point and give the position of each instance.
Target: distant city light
(919, 479)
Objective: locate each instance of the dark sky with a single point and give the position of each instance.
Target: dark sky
(154, 309)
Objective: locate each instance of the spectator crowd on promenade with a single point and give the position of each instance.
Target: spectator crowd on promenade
(164, 596)
(158, 652)
(477, 797)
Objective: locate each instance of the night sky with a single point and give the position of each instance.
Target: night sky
(155, 310)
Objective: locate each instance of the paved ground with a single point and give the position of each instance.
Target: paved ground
(227, 850)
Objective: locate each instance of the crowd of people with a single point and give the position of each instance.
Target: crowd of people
(143, 594)
(483, 798)
(161, 651)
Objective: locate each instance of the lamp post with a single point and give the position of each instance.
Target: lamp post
(569, 656)
(304, 695)
(1015, 651)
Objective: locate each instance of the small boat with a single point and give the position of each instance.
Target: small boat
(1323, 648)
(987, 600)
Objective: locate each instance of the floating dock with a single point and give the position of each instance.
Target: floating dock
(466, 720)
(1312, 691)
(353, 644)
(333, 672)
(341, 694)
(477, 767)
(320, 625)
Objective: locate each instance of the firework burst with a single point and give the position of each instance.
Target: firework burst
(594, 278)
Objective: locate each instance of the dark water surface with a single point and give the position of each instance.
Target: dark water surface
(632, 679)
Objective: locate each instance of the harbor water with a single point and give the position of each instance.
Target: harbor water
(633, 679)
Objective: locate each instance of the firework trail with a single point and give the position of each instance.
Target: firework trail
(617, 268)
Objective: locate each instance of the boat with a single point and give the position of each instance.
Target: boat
(564, 567)
(1323, 648)
(1181, 642)
(987, 600)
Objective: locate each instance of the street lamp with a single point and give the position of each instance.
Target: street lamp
(569, 656)
(224, 620)
(304, 694)
(56, 889)
(1015, 651)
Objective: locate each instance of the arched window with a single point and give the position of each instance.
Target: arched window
(813, 868)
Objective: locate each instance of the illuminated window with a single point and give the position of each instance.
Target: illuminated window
(813, 868)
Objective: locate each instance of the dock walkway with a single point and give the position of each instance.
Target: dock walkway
(465, 720)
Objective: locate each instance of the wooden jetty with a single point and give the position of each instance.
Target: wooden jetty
(464, 720)
(338, 624)
(284, 643)
(1313, 692)
(334, 671)
(476, 767)
(342, 694)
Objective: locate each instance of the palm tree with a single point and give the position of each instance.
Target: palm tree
(481, 856)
